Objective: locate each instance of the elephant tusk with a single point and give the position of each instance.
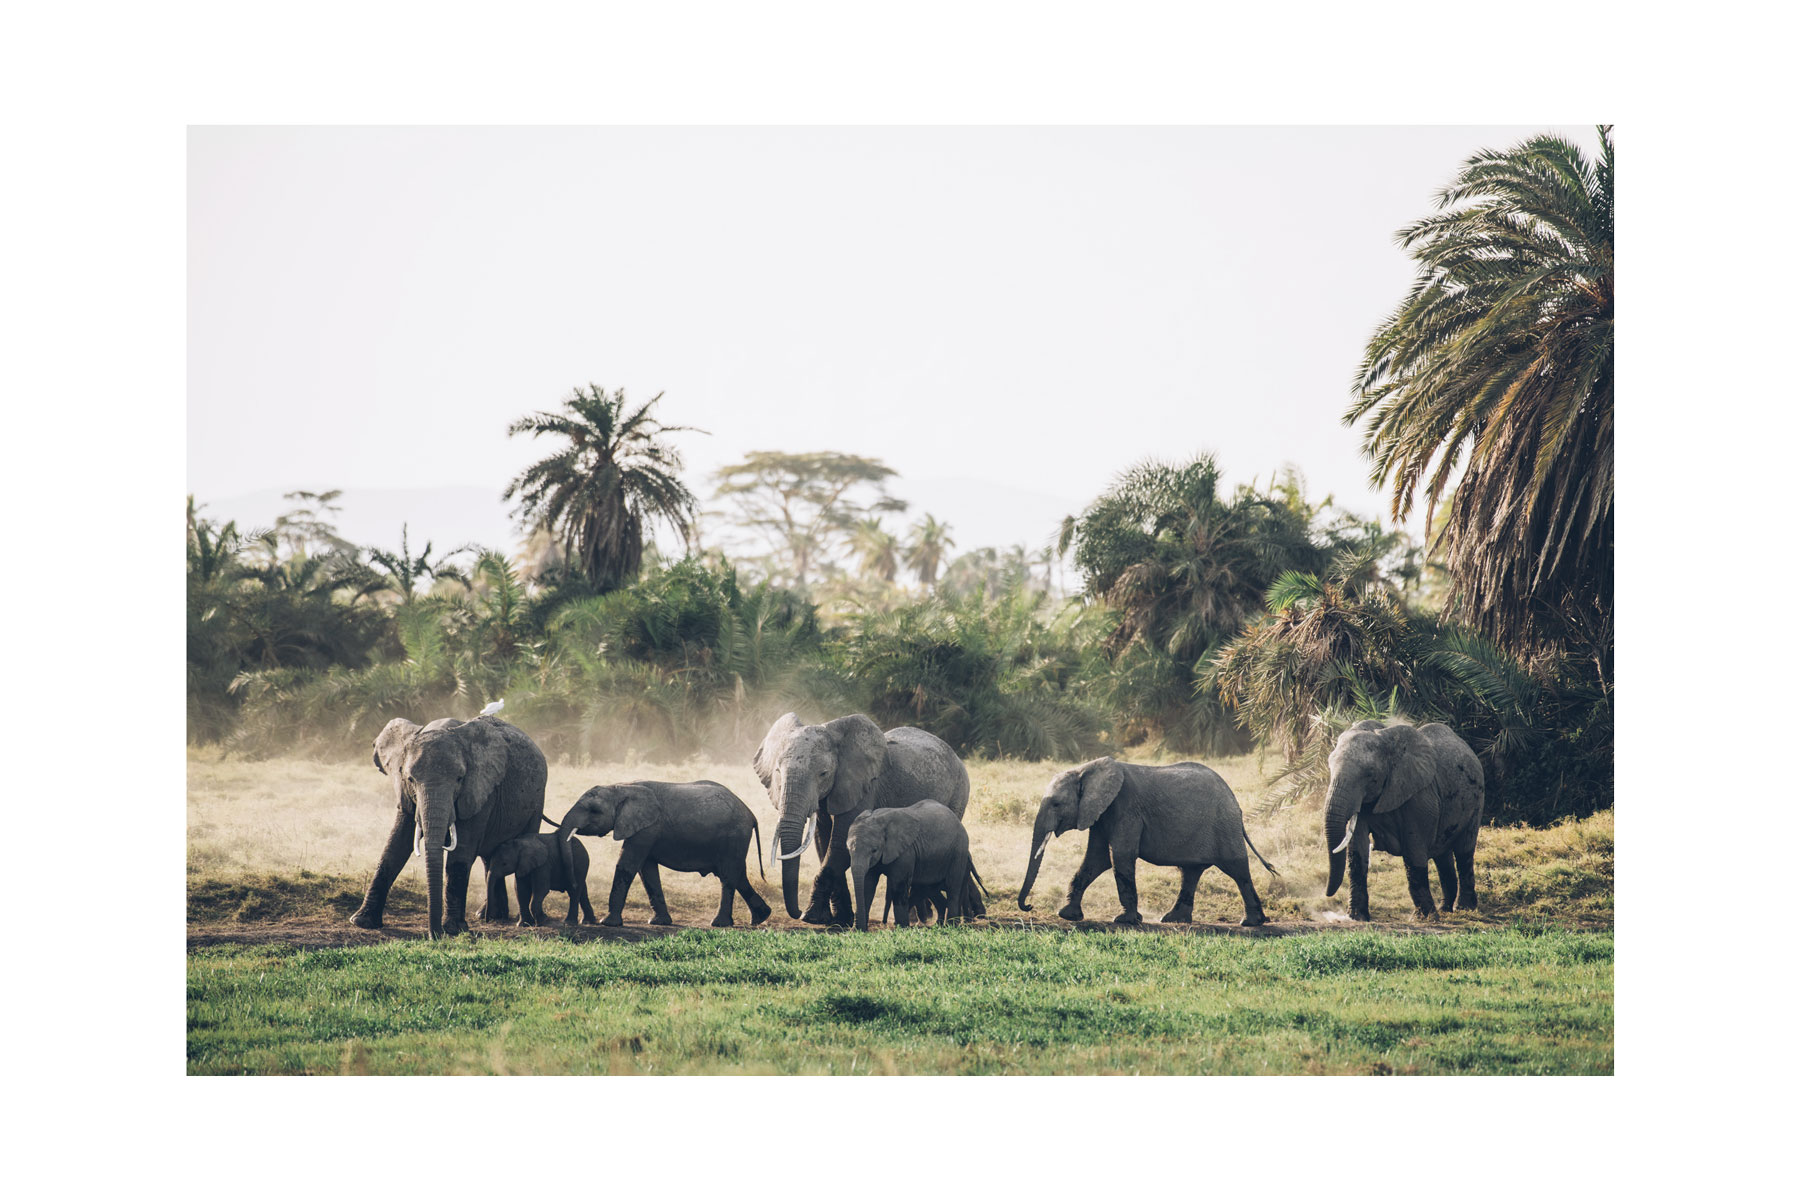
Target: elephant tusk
(451, 845)
(805, 837)
(1349, 832)
(419, 842)
(1042, 846)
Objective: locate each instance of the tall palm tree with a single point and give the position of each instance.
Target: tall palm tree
(598, 493)
(877, 550)
(931, 539)
(1501, 358)
(400, 572)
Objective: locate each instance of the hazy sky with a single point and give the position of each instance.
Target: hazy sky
(1035, 307)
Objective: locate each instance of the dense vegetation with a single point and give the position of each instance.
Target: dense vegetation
(1207, 619)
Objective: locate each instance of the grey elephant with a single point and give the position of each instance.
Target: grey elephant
(700, 826)
(535, 863)
(919, 848)
(1413, 792)
(822, 777)
(461, 788)
(1182, 815)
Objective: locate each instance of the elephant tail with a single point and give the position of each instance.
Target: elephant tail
(756, 830)
(976, 876)
(1259, 857)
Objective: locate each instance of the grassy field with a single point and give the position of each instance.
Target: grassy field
(279, 852)
(951, 1001)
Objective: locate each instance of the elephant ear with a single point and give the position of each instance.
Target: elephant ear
(769, 753)
(1101, 780)
(1411, 768)
(485, 755)
(638, 812)
(861, 757)
(390, 744)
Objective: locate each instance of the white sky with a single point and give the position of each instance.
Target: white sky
(1038, 308)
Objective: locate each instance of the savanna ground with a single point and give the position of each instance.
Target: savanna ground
(279, 982)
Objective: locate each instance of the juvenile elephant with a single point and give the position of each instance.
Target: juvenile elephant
(825, 776)
(536, 865)
(919, 848)
(461, 788)
(1414, 792)
(700, 826)
(1175, 816)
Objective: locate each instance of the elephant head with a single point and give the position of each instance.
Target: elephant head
(875, 844)
(1374, 769)
(621, 809)
(809, 769)
(521, 856)
(1075, 799)
(448, 770)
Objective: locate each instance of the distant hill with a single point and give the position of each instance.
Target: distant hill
(980, 513)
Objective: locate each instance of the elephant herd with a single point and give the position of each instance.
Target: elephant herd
(878, 805)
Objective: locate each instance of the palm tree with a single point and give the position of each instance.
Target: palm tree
(401, 571)
(877, 550)
(598, 493)
(931, 538)
(1501, 357)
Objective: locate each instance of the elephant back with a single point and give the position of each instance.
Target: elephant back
(922, 766)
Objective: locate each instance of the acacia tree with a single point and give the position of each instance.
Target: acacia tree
(599, 492)
(1501, 356)
(804, 507)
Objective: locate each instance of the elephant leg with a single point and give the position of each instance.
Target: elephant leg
(722, 920)
(659, 908)
(1465, 871)
(587, 905)
(1125, 878)
(900, 888)
(1359, 878)
(953, 892)
(538, 915)
(831, 903)
(1446, 867)
(496, 908)
(1183, 912)
(623, 873)
(1240, 875)
(1095, 863)
(524, 892)
(759, 908)
(1419, 884)
(393, 858)
(456, 897)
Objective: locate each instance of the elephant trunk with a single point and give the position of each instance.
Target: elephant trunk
(865, 875)
(565, 845)
(434, 822)
(796, 806)
(1340, 826)
(1040, 840)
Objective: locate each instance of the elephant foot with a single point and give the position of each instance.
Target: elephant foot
(455, 926)
(1359, 914)
(614, 920)
(1425, 914)
(759, 915)
(1069, 912)
(818, 914)
(1178, 916)
(366, 918)
(1128, 918)
(1254, 919)
(662, 919)
(721, 922)
(589, 921)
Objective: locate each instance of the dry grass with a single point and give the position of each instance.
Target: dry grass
(282, 817)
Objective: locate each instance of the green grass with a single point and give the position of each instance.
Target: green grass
(931, 1000)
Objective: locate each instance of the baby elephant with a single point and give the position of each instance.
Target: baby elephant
(536, 865)
(700, 827)
(918, 848)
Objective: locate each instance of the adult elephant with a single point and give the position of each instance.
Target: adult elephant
(822, 777)
(1183, 815)
(461, 788)
(1414, 792)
